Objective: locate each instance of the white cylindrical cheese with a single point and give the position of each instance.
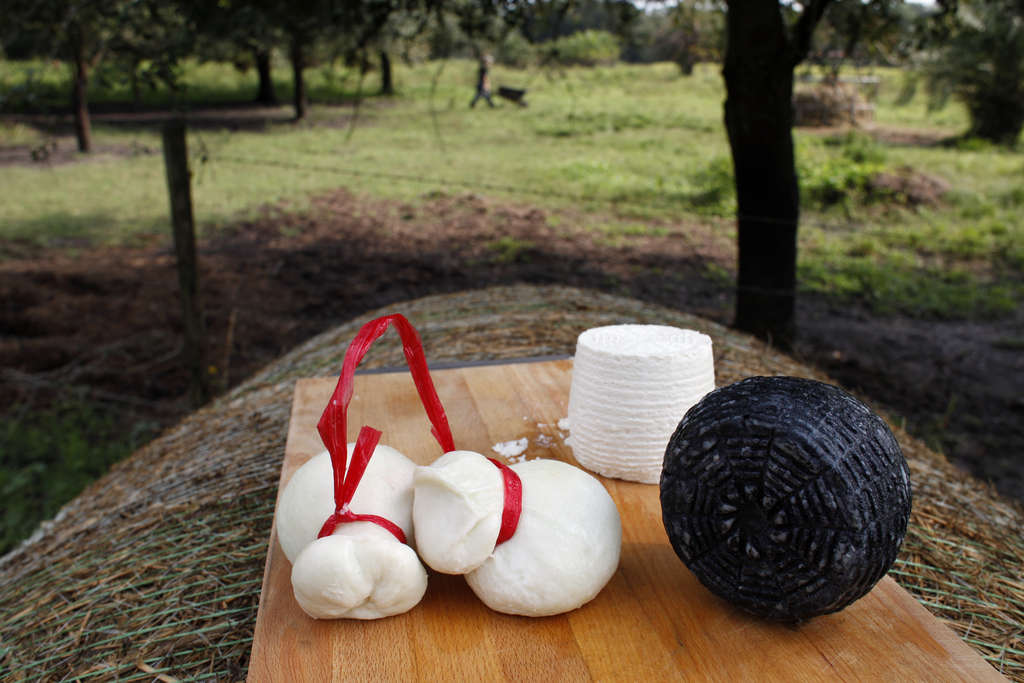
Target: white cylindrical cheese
(631, 385)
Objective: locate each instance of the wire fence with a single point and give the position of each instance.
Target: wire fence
(683, 202)
(925, 280)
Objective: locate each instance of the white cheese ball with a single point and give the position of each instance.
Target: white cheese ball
(564, 551)
(456, 510)
(360, 572)
(308, 498)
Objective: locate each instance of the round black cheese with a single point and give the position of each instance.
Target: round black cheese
(785, 496)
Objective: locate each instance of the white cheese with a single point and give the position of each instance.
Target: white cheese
(631, 385)
(308, 498)
(564, 550)
(360, 572)
(457, 511)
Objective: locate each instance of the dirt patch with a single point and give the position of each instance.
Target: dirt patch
(886, 134)
(61, 150)
(908, 187)
(108, 320)
(59, 146)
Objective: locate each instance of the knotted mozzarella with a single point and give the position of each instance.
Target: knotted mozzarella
(308, 499)
(361, 571)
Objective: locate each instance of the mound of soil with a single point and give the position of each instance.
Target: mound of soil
(908, 187)
(107, 319)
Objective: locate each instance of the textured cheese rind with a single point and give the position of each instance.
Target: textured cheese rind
(308, 498)
(456, 509)
(564, 551)
(360, 572)
(631, 384)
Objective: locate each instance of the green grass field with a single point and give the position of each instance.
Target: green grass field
(641, 141)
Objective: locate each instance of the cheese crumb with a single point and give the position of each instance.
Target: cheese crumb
(511, 449)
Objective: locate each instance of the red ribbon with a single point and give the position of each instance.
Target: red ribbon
(513, 506)
(333, 423)
(367, 441)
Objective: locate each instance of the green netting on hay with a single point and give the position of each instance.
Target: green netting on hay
(154, 572)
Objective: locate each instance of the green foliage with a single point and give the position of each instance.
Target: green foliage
(48, 457)
(507, 249)
(865, 32)
(685, 34)
(982, 64)
(715, 187)
(842, 175)
(585, 48)
(516, 51)
(31, 84)
(896, 282)
(835, 181)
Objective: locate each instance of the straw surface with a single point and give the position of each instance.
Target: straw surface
(154, 572)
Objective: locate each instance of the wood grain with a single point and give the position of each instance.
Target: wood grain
(652, 622)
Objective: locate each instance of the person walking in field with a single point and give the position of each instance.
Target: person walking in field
(483, 81)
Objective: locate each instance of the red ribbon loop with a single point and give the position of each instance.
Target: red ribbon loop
(333, 425)
(513, 506)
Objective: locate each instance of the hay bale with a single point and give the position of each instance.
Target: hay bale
(830, 103)
(154, 572)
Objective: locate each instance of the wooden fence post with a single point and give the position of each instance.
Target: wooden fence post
(179, 189)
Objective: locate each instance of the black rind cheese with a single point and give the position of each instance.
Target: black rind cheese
(787, 497)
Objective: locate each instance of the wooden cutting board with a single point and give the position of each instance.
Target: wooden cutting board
(653, 621)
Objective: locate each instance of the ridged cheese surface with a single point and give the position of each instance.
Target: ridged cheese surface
(631, 385)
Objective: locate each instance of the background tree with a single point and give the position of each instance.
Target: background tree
(307, 22)
(764, 43)
(865, 32)
(687, 33)
(979, 59)
(400, 30)
(240, 32)
(84, 32)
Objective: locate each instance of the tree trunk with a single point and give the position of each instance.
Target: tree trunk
(758, 75)
(136, 86)
(79, 93)
(265, 94)
(387, 86)
(997, 107)
(298, 55)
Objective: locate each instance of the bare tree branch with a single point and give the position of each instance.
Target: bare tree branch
(814, 10)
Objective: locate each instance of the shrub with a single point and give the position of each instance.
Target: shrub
(841, 176)
(516, 51)
(584, 48)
